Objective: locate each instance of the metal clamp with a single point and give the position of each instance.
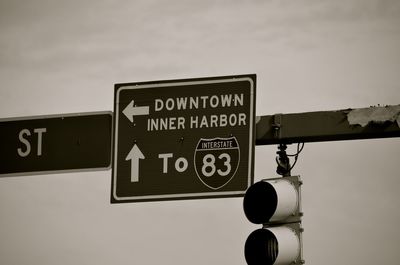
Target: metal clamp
(277, 125)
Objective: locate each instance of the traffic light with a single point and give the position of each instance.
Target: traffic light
(276, 204)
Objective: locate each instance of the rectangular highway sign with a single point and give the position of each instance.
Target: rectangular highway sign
(55, 143)
(179, 139)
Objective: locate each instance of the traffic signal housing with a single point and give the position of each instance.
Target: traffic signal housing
(276, 204)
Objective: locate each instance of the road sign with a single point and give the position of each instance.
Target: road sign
(180, 139)
(55, 143)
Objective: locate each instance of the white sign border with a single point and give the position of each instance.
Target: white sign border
(214, 194)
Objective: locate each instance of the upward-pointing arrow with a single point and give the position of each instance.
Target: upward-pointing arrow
(131, 111)
(134, 155)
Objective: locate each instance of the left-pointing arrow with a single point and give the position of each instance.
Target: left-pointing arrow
(131, 111)
(134, 155)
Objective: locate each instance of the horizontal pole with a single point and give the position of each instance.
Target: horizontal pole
(320, 126)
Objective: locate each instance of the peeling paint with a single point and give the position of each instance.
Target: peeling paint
(374, 115)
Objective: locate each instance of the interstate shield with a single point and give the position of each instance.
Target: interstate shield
(216, 161)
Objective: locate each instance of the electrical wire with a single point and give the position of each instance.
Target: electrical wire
(299, 149)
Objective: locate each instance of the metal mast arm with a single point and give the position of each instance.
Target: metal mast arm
(350, 124)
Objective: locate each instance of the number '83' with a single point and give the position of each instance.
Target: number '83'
(209, 168)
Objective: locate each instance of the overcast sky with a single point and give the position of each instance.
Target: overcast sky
(65, 57)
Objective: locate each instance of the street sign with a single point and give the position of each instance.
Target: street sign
(180, 139)
(55, 143)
